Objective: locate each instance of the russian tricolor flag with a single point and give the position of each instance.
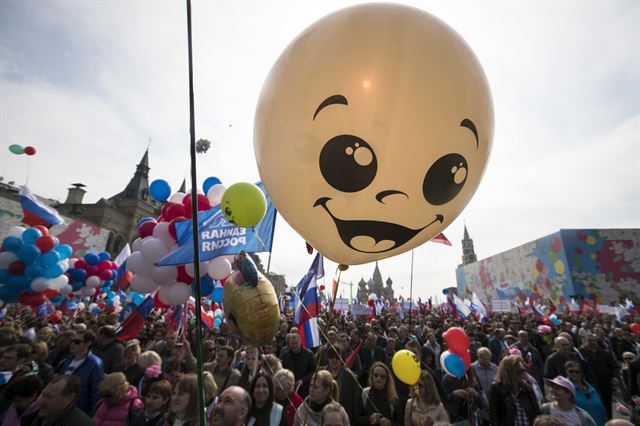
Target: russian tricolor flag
(308, 304)
(134, 323)
(36, 212)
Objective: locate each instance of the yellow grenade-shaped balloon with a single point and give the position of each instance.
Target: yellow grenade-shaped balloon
(252, 311)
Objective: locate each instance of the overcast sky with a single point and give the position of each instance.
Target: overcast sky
(88, 83)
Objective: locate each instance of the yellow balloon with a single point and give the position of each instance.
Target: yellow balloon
(559, 267)
(406, 367)
(252, 311)
(243, 204)
(373, 130)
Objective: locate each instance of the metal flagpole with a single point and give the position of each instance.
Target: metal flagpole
(196, 240)
(411, 293)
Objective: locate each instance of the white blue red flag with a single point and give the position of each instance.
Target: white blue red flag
(308, 304)
(36, 212)
(478, 306)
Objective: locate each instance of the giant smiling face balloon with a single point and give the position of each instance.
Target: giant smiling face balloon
(373, 130)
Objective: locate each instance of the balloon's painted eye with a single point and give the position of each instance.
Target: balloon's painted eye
(445, 179)
(348, 163)
(227, 211)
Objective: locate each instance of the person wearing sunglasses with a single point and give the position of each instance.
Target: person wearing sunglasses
(562, 395)
(87, 367)
(380, 402)
(586, 397)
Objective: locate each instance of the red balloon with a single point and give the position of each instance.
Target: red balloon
(103, 265)
(556, 244)
(55, 316)
(457, 341)
(466, 357)
(51, 293)
(322, 287)
(174, 210)
(172, 226)
(17, 268)
(43, 229)
(203, 203)
(635, 327)
(146, 229)
(539, 265)
(91, 270)
(45, 243)
(102, 305)
(81, 263)
(105, 274)
(29, 150)
(32, 299)
(183, 277)
(158, 303)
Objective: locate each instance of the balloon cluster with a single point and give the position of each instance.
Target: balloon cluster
(173, 285)
(457, 360)
(19, 150)
(32, 266)
(92, 274)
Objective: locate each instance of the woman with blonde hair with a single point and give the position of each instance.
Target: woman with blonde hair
(183, 408)
(424, 408)
(118, 400)
(511, 399)
(333, 414)
(151, 365)
(322, 391)
(379, 404)
(283, 382)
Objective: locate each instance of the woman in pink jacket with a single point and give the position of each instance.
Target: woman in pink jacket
(118, 399)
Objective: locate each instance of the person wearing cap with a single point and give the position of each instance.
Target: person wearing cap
(586, 397)
(562, 395)
(512, 401)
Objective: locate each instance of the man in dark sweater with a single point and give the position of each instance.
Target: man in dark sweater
(300, 361)
(555, 363)
(602, 368)
(57, 404)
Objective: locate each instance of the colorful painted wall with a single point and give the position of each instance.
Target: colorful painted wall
(592, 263)
(81, 236)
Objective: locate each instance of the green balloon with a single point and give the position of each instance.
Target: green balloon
(16, 149)
(243, 204)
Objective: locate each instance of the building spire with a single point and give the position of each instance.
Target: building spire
(138, 186)
(468, 252)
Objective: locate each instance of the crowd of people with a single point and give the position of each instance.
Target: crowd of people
(583, 371)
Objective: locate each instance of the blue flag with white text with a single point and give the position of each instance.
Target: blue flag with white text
(218, 237)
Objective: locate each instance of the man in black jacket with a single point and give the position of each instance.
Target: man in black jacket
(602, 367)
(347, 383)
(57, 404)
(300, 361)
(554, 366)
(370, 353)
(109, 350)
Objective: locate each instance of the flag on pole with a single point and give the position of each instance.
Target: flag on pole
(462, 309)
(441, 239)
(308, 304)
(134, 323)
(35, 212)
(479, 306)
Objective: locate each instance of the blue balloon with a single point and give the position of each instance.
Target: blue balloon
(91, 259)
(110, 295)
(13, 244)
(96, 310)
(30, 235)
(53, 271)
(103, 255)
(29, 253)
(56, 300)
(160, 190)
(34, 271)
(455, 365)
(206, 286)
(50, 258)
(216, 295)
(138, 299)
(77, 285)
(72, 305)
(217, 321)
(209, 182)
(143, 220)
(19, 282)
(64, 250)
(4, 276)
(8, 294)
(78, 274)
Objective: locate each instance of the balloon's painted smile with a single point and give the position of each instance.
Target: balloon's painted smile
(372, 236)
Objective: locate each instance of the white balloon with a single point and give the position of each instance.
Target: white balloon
(164, 275)
(219, 268)
(39, 285)
(88, 292)
(16, 231)
(7, 258)
(204, 269)
(143, 284)
(58, 282)
(153, 249)
(66, 290)
(64, 264)
(135, 245)
(81, 306)
(137, 264)
(177, 197)
(72, 262)
(214, 194)
(92, 282)
(92, 305)
(217, 312)
(175, 294)
(161, 232)
(117, 309)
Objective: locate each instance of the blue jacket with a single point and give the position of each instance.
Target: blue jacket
(90, 373)
(591, 403)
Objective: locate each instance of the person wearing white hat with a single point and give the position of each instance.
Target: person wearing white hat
(562, 395)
